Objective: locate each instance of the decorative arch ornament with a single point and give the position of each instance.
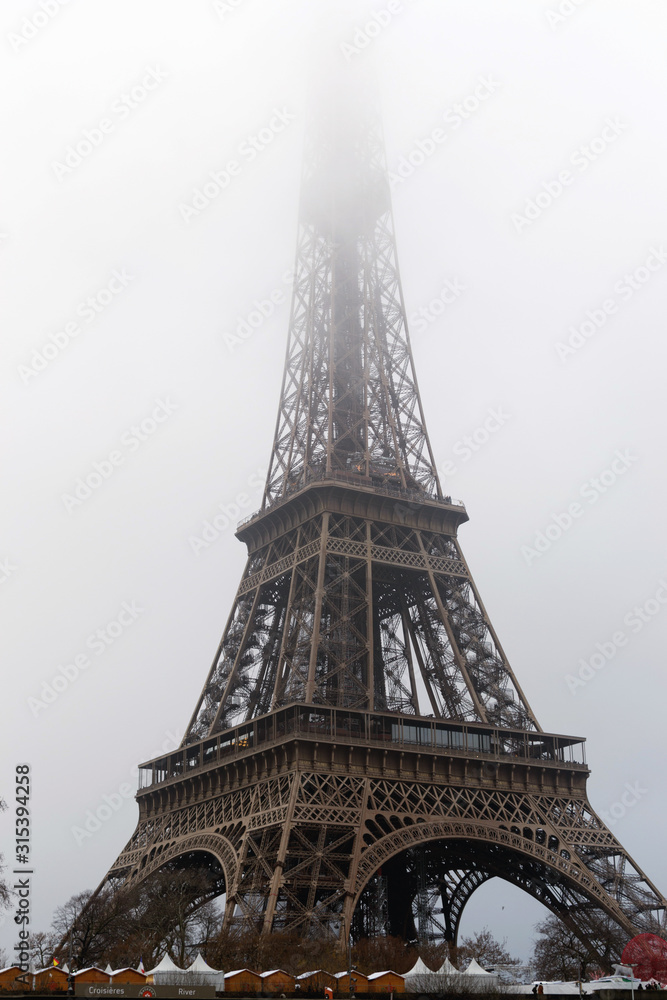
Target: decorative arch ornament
(576, 877)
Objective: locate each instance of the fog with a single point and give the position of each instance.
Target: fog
(146, 300)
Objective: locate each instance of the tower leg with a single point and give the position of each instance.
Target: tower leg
(269, 913)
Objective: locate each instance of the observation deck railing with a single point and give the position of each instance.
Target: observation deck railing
(391, 731)
(356, 479)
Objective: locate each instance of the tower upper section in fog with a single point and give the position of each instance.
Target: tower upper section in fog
(349, 402)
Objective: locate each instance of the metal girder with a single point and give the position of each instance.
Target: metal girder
(312, 834)
(347, 619)
(385, 761)
(349, 399)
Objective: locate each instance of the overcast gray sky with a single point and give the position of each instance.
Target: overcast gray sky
(527, 142)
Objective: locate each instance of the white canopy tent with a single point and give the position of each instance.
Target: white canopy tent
(200, 973)
(166, 973)
(449, 979)
(447, 969)
(165, 965)
(421, 979)
(479, 979)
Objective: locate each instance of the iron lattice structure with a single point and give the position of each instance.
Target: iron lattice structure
(362, 756)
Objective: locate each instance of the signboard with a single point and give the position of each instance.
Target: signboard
(137, 990)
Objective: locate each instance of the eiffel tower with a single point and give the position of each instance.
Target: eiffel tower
(362, 756)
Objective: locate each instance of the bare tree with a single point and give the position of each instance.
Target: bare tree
(233, 950)
(205, 928)
(172, 911)
(41, 947)
(170, 916)
(90, 923)
(293, 952)
(559, 954)
(5, 891)
(372, 954)
(483, 947)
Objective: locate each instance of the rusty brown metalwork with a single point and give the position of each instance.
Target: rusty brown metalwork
(362, 756)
